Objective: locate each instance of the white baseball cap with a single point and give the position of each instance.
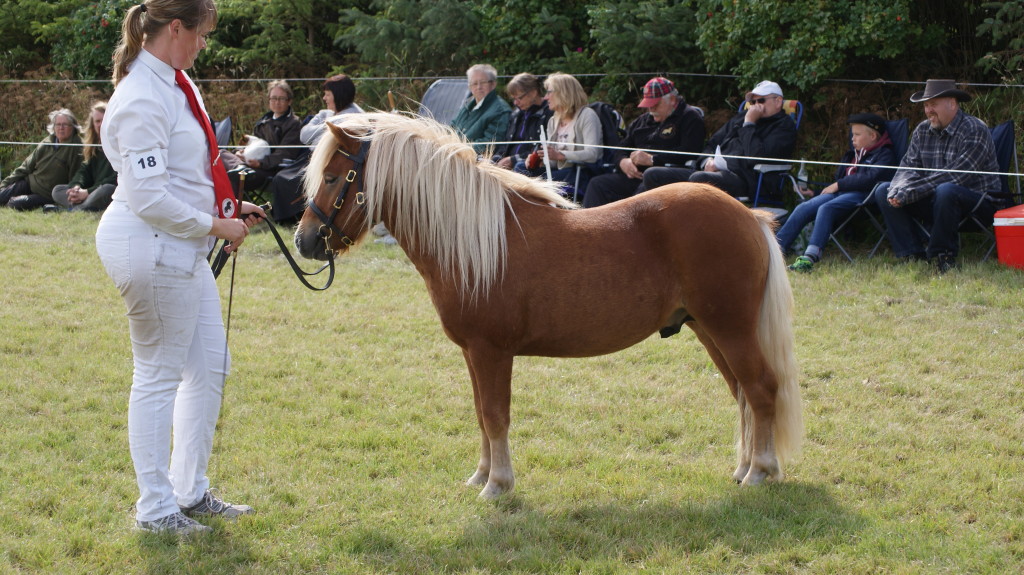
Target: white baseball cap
(766, 88)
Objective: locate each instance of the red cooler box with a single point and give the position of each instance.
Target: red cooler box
(1009, 224)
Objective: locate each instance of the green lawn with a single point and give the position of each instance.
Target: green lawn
(348, 424)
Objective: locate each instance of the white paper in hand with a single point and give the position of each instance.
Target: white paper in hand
(720, 162)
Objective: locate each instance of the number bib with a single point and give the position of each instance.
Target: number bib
(147, 164)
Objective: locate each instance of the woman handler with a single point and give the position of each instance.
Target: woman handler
(153, 240)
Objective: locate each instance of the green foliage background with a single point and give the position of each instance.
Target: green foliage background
(798, 42)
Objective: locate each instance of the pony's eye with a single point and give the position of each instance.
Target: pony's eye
(329, 179)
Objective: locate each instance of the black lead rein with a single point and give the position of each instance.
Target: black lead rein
(327, 228)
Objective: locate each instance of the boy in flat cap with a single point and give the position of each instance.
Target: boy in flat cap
(954, 144)
(871, 159)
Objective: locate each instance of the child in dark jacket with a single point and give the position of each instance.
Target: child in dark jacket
(873, 160)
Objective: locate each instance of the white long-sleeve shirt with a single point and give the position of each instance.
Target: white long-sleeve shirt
(159, 150)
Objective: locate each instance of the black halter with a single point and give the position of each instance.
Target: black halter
(327, 227)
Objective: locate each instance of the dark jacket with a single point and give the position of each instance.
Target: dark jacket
(94, 173)
(523, 127)
(771, 137)
(47, 166)
(682, 131)
(869, 169)
(283, 131)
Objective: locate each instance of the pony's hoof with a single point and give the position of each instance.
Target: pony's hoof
(741, 473)
(492, 492)
(479, 479)
(754, 478)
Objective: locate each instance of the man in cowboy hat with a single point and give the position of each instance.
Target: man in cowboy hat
(763, 130)
(670, 125)
(957, 146)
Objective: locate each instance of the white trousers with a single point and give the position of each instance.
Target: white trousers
(179, 349)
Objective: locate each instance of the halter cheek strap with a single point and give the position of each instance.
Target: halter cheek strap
(327, 227)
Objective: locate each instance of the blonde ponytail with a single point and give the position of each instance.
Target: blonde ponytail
(131, 42)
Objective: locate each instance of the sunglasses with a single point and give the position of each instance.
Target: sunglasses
(757, 101)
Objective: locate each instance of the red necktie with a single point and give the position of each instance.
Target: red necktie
(226, 203)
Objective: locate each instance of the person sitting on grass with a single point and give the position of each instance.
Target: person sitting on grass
(93, 185)
(862, 167)
(53, 162)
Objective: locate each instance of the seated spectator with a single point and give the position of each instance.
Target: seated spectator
(872, 150)
(530, 114)
(669, 124)
(280, 128)
(31, 184)
(94, 183)
(948, 140)
(574, 130)
(483, 118)
(287, 200)
(339, 97)
(763, 130)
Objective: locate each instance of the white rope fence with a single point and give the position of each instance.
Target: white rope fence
(689, 155)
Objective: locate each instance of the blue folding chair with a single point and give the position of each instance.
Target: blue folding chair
(1005, 143)
(899, 133)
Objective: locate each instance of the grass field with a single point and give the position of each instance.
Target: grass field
(348, 424)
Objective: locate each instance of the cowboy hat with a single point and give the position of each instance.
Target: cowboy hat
(940, 89)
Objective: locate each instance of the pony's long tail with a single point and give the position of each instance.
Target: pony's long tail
(775, 335)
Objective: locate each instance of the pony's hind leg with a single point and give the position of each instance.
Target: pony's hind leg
(743, 442)
(757, 404)
(492, 391)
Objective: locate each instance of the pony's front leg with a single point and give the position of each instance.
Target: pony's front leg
(483, 468)
(491, 372)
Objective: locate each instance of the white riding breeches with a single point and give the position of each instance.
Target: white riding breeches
(179, 351)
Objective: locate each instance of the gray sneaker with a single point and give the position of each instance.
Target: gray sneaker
(211, 506)
(175, 523)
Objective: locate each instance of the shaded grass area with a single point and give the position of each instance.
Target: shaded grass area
(348, 424)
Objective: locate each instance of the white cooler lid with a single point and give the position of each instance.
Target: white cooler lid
(1008, 221)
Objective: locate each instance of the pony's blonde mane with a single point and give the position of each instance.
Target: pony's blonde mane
(444, 202)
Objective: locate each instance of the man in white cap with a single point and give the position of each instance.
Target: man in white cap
(761, 131)
(955, 144)
(670, 125)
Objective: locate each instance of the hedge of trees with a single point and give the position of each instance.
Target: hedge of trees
(799, 42)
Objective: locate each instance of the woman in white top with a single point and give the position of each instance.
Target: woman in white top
(153, 240)
(572, 124)
(339, 97)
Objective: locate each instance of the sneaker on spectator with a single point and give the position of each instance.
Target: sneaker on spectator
(802, 264)
(212, 506)
(176, 523)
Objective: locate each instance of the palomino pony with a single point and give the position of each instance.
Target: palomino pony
(513, 270)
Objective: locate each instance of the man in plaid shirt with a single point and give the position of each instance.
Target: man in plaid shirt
(955, 143)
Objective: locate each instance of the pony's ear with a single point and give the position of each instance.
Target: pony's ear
(345, 141)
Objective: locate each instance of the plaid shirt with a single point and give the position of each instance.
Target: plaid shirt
(965, 144)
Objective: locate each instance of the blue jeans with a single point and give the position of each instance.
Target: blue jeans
(940, 212)
(825, 210)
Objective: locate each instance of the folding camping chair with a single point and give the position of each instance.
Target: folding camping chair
(443, 99)
(898, 131)
(1004, 140)
(781, 173)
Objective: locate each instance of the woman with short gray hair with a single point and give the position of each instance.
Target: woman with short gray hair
(484, 116)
